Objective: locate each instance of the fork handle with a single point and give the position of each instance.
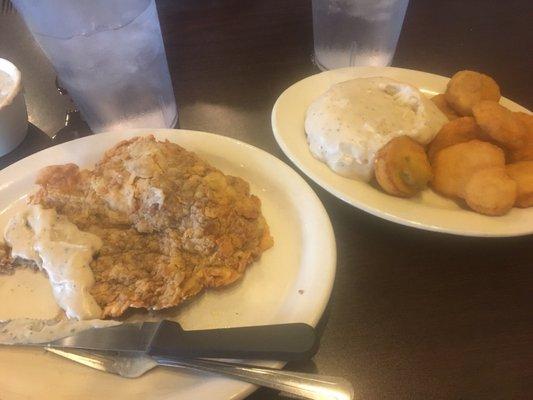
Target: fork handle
(303, 385)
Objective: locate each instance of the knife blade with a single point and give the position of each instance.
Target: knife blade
(283, 342)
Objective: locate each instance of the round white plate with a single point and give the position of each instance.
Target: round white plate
(428, 210)
(291, 283)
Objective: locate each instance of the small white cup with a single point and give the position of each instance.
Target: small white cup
(13, 114)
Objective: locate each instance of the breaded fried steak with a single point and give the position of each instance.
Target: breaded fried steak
(171, 224)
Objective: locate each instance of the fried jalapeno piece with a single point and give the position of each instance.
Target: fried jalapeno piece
(402, 167)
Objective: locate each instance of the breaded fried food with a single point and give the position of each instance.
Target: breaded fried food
(6, 262)
(490, 191)
(67, 188)
(171, 224)
(527, 120)
(454, 165)
(524, 153)
(442, 104)
(459, 130)
(467, 88)
(402, 167)
(522, 174)
(500, 124)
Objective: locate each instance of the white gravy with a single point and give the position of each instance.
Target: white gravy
(63, 251)
(350, 122)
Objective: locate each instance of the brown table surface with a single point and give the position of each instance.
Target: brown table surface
(413, 314)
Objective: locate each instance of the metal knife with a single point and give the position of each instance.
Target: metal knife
(285, 342)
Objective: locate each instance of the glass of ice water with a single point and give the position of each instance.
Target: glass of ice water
(109, 55)
(356, 32)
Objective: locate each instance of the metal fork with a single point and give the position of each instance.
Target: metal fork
(7, 7)
(302, 385)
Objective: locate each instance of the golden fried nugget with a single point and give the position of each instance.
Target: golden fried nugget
(524, 153)
(522, 174)
(454, 165)
(467, 88)
(527, 120)
(490, 191)
(442, 104)
(500, 124)
(459, 130)
(402, 167)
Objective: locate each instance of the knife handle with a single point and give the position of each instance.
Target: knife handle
(285, 342)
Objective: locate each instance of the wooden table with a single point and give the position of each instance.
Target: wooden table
(413, 315)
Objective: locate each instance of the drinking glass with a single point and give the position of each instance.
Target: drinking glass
(356, 32)
(109, 55)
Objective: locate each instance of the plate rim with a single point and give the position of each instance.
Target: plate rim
(233, 389)
(301, 165)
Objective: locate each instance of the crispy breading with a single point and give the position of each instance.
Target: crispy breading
(454, 165)
(68, 189)
(527, 120)
(6, 262)
(524, 153)
(490, 191)
(500, 124)
(459, 130)
(467, 88)
(402, 167)
(171, 223)
(442, 104)
(522, 173)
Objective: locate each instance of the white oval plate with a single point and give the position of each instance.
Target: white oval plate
(291, 283)
(427, 211)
